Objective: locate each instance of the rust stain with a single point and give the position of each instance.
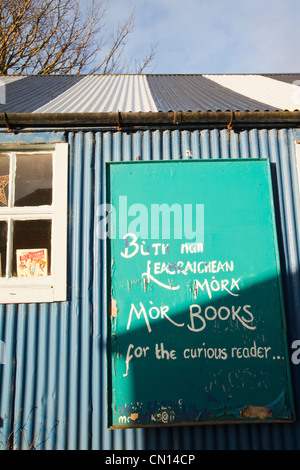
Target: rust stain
(134, 416)
(261, 412)
(113, 308)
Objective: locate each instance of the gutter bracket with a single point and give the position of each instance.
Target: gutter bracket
(177, 119)
(8, 127)
(229, 126)
(119, 121)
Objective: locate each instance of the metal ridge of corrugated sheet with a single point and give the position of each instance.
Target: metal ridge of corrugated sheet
(106, 93)
(276, 93)
(283, 77)
(199, 93)
(29, 93)
(6, 79)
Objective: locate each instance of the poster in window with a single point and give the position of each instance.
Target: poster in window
(32, 263)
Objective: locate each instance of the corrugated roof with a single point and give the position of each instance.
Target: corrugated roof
(273, 93)
(151, 93)
(283, 77)
(199, 93)
(28, 93)
(106, 93)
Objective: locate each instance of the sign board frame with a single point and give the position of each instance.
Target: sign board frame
(217, 352)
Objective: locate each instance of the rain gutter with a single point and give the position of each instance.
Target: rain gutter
(120, 120)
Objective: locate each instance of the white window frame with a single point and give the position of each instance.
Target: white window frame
(50, 288)
(297, 142)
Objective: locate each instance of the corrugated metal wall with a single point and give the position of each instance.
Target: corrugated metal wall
(53, 385)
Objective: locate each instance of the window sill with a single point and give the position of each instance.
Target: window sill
(29, 290)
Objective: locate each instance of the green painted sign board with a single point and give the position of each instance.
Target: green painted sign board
(196, 325)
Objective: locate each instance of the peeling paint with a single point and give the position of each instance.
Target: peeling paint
(195, 291)
(132, 283)
(163, 415)
(113, 308)
(134, 416)
(261, 412)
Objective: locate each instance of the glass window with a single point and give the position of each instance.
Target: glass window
(33, 184)
(31, 248)
(4, 179)
(33, 224)
(3, 244)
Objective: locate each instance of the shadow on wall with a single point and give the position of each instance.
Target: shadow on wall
(223, 360)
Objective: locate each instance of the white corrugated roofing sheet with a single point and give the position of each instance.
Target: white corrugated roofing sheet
(106, 93)
(275, 93)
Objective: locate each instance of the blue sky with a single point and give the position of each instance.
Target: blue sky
(213, 36)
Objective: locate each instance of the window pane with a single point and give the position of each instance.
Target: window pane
(3, 241)
(4, 179)
(31, 248)
(33, 180)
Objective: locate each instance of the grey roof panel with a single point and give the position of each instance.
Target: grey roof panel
(283, 77)
(198, 93)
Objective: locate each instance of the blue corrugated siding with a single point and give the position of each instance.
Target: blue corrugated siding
(53, 385)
